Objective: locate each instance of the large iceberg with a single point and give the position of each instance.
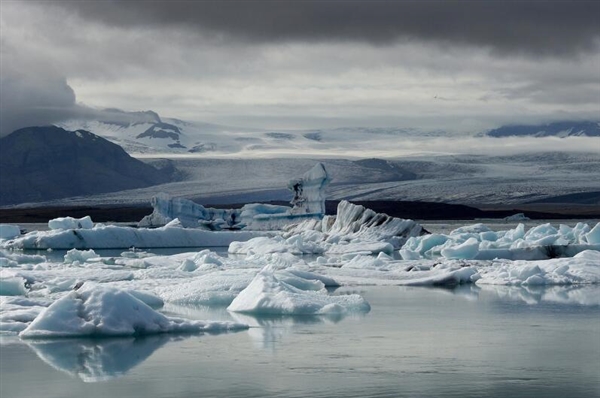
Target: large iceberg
(189, 214)
(95, 310)
(355, 229)
(308, 202)
(117, 237)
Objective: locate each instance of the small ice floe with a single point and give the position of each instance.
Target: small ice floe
(62, 223)
(95, 310)
(9, 231)
(271, 294)
(13, 286)
(517, 217)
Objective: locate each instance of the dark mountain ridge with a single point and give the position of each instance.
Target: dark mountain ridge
(46, 163)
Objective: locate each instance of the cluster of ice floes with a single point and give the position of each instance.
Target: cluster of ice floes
(355, 229)
(83, 292)
(101, 236)
(479, 242)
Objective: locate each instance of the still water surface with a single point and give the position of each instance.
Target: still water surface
(415, 342)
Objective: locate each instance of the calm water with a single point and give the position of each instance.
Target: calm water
(415, 342)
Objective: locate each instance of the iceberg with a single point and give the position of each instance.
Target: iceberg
(269, 294)
(63, 223)
(309, 191)
(308, 202)
(9, 231)
(517, 217)
(355, 229)
(189, 214)
(119, 237)
(95, 311)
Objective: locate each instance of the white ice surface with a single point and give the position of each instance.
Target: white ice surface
(479, 242)
(291, 284)
(95, 310)
(113, 237)
(355, 229)
(71, 223)
(270, 294)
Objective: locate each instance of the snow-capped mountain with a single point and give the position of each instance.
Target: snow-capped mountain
(557, 129)
(148, 133)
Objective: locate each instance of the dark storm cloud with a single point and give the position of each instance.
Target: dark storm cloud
(536, 27)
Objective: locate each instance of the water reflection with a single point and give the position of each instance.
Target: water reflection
(583, 295)
(267, 331)
(94, 360)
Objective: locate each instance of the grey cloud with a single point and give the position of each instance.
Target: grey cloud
(30, 99)
(528, 27)
(35, 96)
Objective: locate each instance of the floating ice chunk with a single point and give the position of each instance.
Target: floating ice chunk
(94, 310)
(517, 217)
(80, 255)
(71, 223)
(355, 229)
(268, 294)
(116, 237)
(14, 286)
(188, 266)
(465, 251)
(593, 237)
(309, 191)
(8, 231)
(216, 288)
(202, 261)
(471, 229)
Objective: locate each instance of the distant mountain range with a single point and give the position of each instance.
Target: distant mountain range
(148, 133)
(45, 163)
(557, 129)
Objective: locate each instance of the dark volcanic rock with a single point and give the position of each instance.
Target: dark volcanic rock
(162, 130)
(45, 163)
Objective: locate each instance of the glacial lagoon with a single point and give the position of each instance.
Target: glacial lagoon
(468, 341)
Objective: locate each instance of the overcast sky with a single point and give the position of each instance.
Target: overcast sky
(457, 65)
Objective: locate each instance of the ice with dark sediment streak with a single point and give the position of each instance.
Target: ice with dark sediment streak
(354, 229)
(96, 311)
